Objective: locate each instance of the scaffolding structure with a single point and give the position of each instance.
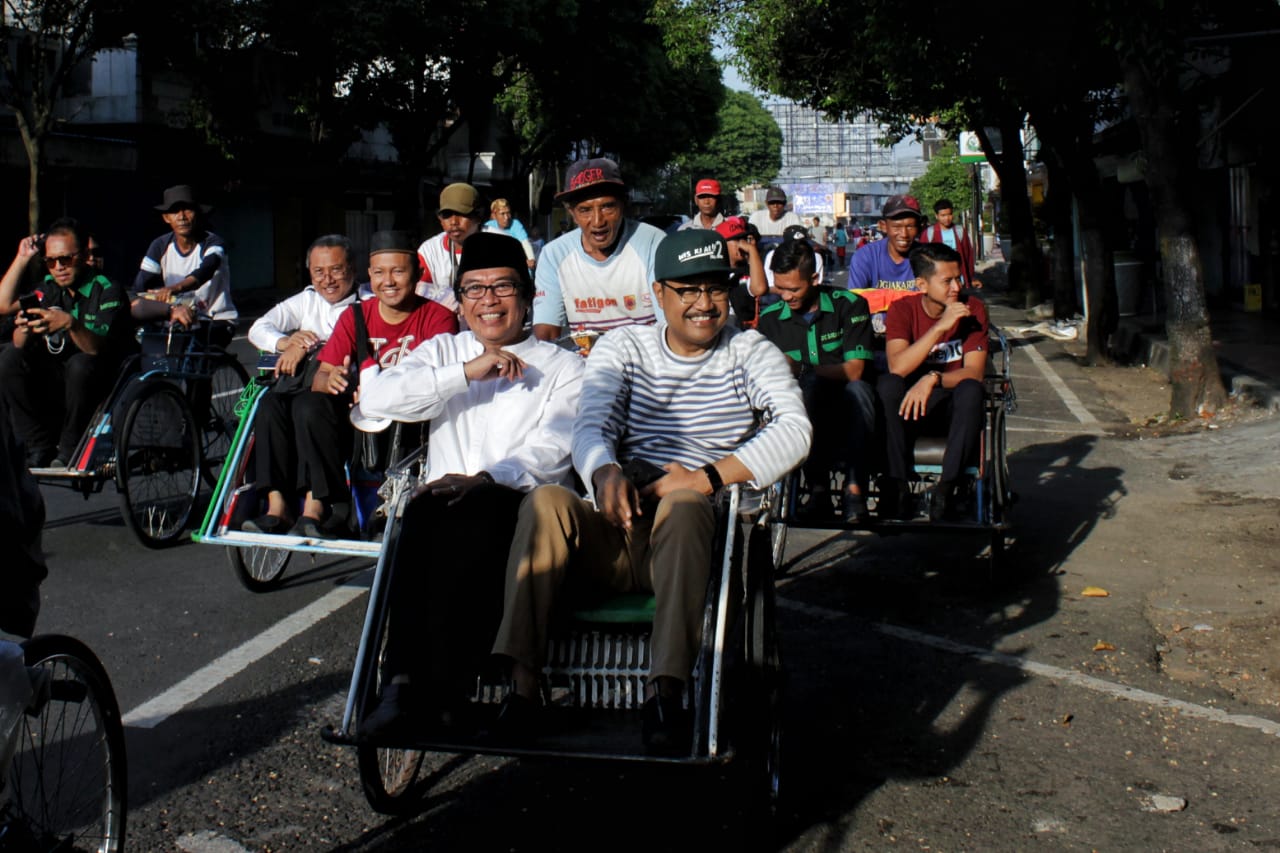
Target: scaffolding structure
(845, 153)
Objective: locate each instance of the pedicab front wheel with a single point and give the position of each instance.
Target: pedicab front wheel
(258, 569)
(158, 464)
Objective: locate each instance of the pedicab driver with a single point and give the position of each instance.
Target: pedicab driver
(668, 416)
(936, 344)
(501, 405)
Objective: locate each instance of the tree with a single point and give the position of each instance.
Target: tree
(41, 46)
(945, 177)
(745, 150)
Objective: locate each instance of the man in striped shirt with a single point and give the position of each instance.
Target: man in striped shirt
(668, 416)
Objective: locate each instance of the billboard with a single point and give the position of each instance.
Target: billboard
(811, 199)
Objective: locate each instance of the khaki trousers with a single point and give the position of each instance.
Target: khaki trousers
(561, 539)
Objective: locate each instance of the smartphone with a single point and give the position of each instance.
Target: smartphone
(27, 301)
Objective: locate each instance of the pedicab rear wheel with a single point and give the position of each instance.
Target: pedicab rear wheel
(158, 464)
(258, 569)
(761, 732)
(389, 776)
(226, 383)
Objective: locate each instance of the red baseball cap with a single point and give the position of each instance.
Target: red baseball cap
(733, 228)
(707, 186)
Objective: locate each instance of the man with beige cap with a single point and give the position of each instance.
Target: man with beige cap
(460, 213)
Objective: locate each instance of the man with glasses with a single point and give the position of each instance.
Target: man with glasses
(596, 277)
(67, 345)
(460, 214)
(660, 430)
(775, 218)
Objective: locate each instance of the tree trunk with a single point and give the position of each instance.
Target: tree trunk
(1193, 366)
(1025, 275)
(32, 142)
(1064, 250)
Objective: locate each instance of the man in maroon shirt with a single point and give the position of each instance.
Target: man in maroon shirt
(936, 345)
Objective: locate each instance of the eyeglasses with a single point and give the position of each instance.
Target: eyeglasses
(323, 273)
(690, 295)
(477, 291)
(61, 260)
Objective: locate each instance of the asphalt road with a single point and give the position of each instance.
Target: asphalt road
(927, 708)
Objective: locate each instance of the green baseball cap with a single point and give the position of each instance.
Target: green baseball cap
(691, 253)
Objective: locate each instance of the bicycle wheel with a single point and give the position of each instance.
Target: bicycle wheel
(259, 569)
(388, 775)
(68, 780)
(158, 464)
(219, 427)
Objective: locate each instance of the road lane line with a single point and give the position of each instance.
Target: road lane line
(1054, 673)
(155, 711)
(1068, 397)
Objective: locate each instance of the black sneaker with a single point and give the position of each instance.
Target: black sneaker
(666, 726)
(516, 722)
(894, 501)
(948, 502)
(264, 524)
(853, 509)
(309, 528)
(391, 714)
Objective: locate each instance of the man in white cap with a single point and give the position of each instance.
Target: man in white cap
(596, 277)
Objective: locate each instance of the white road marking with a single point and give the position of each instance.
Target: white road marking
(155, 711)
(1054, 673)
(1068, 397)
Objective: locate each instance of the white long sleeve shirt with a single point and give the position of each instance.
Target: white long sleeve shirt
(307, 310)
(642, 401)
(519, 432)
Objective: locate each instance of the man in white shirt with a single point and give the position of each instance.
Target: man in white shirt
(501, 405)
(460, 214)
(775, 218)
(596, 277)
(706, 195)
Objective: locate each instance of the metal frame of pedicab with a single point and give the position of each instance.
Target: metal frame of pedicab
(993, 497)
(154, 371)
(599, 668)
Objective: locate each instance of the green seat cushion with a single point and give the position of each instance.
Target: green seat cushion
(623, 608)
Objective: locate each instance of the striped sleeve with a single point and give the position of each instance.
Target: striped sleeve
(602, 412)
(782, 443)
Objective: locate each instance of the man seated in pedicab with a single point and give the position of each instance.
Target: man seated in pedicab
(936, 344)
(70, 337)
(826, 336)
(308, 458)
(501, 405)
(669, 415)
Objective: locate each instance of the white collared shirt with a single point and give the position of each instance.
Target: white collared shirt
(519, 432)
(307, 311)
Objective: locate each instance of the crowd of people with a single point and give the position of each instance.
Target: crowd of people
(711, 356)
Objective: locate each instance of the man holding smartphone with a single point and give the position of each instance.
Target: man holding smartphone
(70, 337)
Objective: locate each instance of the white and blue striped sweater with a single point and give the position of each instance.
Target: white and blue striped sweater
(641, 400)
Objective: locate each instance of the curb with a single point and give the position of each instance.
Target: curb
(1153, 351)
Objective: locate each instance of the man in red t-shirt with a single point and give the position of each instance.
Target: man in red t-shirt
(397, 321)
(936, 345)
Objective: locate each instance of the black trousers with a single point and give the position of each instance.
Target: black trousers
(302, 442)
(844, 422)
(447, 582)
(954, 412)
(51, 398)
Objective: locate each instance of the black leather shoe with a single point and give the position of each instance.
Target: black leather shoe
(264, 524)
(391, 714)
(309, 528)
(894, 501)
(666, 726)
(853, 509)
(517, 719)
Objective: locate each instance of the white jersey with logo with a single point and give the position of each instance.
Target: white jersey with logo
(211, 299)
(576, 291)
(439, 257)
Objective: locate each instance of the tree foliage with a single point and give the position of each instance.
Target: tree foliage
(745, 150)
(945, 177)
(42, 44)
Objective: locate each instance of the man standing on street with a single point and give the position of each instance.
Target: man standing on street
(775, 218)
(596, 277)
(945, 231)
(460, 214)
(707, 197)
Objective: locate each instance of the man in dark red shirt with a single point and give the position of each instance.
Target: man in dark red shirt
(936, 345)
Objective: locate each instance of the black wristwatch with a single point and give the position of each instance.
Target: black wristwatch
(713, 476)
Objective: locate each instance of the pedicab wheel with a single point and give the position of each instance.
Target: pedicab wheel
(762, 702)
(258, 569)
(388, 776)
(67, 784)
(226, 383)
(158, 464)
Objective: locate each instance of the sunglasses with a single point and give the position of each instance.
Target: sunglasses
(61, 260)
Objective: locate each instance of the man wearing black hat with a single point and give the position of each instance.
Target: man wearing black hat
(188, 265)
(501, 405)
(461, 213)
(775, 218)
(659, 430)
(885, 263)
(311, 465)
(596, 277)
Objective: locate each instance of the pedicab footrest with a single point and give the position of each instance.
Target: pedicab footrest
(593, 668)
